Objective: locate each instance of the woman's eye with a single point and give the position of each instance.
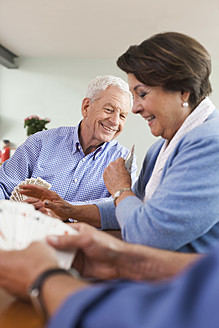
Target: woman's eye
(142, 95)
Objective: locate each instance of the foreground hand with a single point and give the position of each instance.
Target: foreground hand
(19, 269)
(51, 203)
(98, 253)
(116, 176)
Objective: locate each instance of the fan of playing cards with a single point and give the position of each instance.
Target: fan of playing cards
(21, 224)
(17, 197)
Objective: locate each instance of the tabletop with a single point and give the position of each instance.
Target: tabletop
(15, 313)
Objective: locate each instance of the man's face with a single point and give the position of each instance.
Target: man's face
(104, 117)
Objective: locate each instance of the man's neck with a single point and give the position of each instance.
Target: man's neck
(85, 142)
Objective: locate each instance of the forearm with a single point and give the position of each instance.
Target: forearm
(145, 263)
(56, 289)
(85, 213)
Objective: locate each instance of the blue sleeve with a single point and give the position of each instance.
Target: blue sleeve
(108, 217)
(184, 209)
(107, 209)
(190, 300)
(19, 166)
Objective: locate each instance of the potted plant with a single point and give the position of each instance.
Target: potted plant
(34, 124)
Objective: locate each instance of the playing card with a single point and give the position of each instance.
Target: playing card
(21, 224)
(129, 159)
(16, 196)
(43, 183)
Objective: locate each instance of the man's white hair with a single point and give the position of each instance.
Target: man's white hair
(100, 83)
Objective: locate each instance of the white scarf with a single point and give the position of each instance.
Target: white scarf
(196, 118)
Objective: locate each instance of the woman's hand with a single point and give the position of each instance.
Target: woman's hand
(116, 176)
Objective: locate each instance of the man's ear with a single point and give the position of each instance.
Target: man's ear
(84, 106)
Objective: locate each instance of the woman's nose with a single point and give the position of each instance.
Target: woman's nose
(136, 108)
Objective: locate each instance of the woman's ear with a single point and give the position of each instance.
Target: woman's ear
(84, 106)
(185, 96)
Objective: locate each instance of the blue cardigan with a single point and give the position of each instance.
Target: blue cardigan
(183, 213)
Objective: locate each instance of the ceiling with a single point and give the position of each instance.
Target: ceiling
(101, 28)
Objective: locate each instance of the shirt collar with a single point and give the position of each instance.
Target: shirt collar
(76, 144)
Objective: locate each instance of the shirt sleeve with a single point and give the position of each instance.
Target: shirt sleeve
(19, 166)
(182, 302)
(185, 205)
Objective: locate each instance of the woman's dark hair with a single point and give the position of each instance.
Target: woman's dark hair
(173, 61)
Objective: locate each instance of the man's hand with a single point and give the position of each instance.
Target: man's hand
(19, 269)
(47, 201)
(98, 254)
(36, 203)
(59, 208)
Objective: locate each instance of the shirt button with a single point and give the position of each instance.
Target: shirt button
(83, 160)
(75, 180)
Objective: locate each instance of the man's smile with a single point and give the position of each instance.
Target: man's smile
(109, 128)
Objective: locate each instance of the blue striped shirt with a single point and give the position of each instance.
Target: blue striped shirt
(56, 156)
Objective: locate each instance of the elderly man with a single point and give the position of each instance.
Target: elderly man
(72, 159)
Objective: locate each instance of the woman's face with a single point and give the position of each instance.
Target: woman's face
(162, 109)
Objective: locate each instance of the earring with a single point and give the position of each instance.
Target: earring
(185, 104)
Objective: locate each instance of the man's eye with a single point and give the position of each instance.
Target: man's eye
(123, 116)
(108, 110)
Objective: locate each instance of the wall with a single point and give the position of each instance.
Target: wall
(54, 88)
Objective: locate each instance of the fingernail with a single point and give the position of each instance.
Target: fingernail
(53, 239)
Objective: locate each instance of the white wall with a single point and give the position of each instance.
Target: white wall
(54, 88)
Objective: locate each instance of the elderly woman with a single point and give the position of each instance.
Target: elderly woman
(175, 202)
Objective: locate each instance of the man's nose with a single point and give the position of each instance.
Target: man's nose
(114, 118)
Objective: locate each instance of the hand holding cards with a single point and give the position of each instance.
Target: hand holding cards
(21, 224)
(16, 196)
